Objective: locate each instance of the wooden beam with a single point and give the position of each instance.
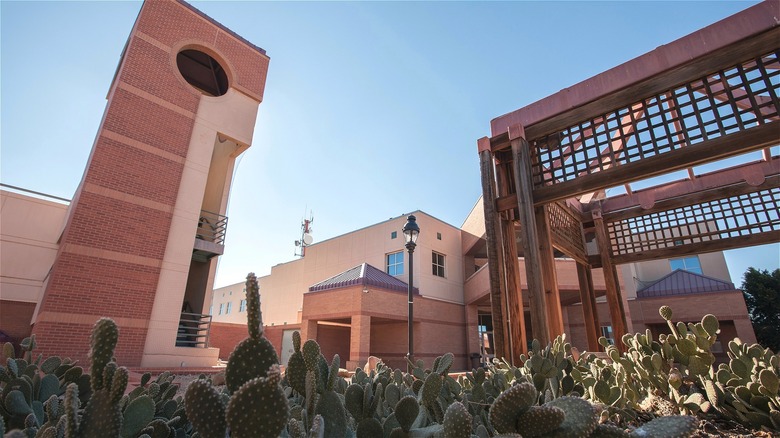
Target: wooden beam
(700, 247)
(589, 311)
(493, 250)
(658, 83)
(722, 147)
(521, 154)
(617, 308)
(754, 172)
(549, 277)
(771, 182)
(514, 294)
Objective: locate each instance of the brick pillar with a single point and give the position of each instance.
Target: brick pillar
(308, 330)
(128, 240)
(359, 341)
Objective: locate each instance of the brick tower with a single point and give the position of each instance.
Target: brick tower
(147, 224)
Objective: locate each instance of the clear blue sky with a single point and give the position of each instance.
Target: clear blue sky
(371, 110)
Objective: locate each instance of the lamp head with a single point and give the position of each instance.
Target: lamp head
(411, 230)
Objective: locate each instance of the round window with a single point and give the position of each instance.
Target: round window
(202, 72)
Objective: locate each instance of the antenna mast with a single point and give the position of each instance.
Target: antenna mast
(306, 238)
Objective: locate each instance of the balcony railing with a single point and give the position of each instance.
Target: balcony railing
(193, 330)
(212, 227)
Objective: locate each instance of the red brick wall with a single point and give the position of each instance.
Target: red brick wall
(117, 232)
(16, 317)
(334, 340)
(226, 336)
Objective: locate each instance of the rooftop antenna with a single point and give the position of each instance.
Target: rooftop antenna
(306, 238)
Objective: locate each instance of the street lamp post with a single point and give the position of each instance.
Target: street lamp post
(411, 231)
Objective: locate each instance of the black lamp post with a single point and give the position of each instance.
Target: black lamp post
(411, 231)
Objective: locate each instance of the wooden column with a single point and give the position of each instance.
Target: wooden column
(514, 293)
(549, 276)
(589, 311)
(497, 301)
(521, 154)
(617, 311)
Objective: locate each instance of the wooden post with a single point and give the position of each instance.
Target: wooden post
(549, 276)
(525, 205)
(589, 311)
(514, 293)
(617, 311)
(497, 302)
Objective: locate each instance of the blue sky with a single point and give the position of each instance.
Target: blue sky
(372, 109)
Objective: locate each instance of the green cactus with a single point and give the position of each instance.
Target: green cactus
(258, 408)
(255, 355)
(296, 367)
(102, 415)
(510, 404)
(457, 421)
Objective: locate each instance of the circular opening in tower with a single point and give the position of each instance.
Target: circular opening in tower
(202, 72)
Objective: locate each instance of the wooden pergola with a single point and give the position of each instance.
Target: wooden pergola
(703, 98)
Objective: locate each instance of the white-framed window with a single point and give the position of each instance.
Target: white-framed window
(242, 306)
(606, 331)
(395, 263)
(437, 262)
(690, 264)
(221, 308)
(229, 306)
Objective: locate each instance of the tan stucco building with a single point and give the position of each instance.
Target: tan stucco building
(349, 293)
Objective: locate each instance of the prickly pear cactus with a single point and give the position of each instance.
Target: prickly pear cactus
(259, 407)
(255, 355)
(103, 415)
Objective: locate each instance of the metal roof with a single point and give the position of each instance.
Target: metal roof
(681, 282)
(363, 274)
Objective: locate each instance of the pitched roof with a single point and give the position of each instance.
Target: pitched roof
(681, 282)
(363, 274)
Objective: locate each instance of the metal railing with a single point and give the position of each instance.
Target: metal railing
(194, 330)
(212, 227)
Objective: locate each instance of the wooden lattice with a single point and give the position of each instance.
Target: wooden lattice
(566, 231)
(723, 102)
(741, 215)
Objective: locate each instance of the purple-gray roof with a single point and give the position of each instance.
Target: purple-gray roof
(363, 274)
(681, 282)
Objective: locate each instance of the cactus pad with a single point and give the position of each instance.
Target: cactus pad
(457, 421)
(665, 312)
(258, 408)
(538, 420)
(205, 409)
(251, 359)
(509, 405)
(580, 417)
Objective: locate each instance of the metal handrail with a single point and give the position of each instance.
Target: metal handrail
(194, 330)
(212, 227)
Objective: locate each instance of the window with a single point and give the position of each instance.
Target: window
(438, 236)
(438, 264)
(395, 263)
(242, 306)
(690, 264)
(394, 234)
(221, 307)
(606, 331)
(229, 305)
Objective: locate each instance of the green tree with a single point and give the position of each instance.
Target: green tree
(762, 296)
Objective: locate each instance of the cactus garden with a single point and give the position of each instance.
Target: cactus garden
(664, 387)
